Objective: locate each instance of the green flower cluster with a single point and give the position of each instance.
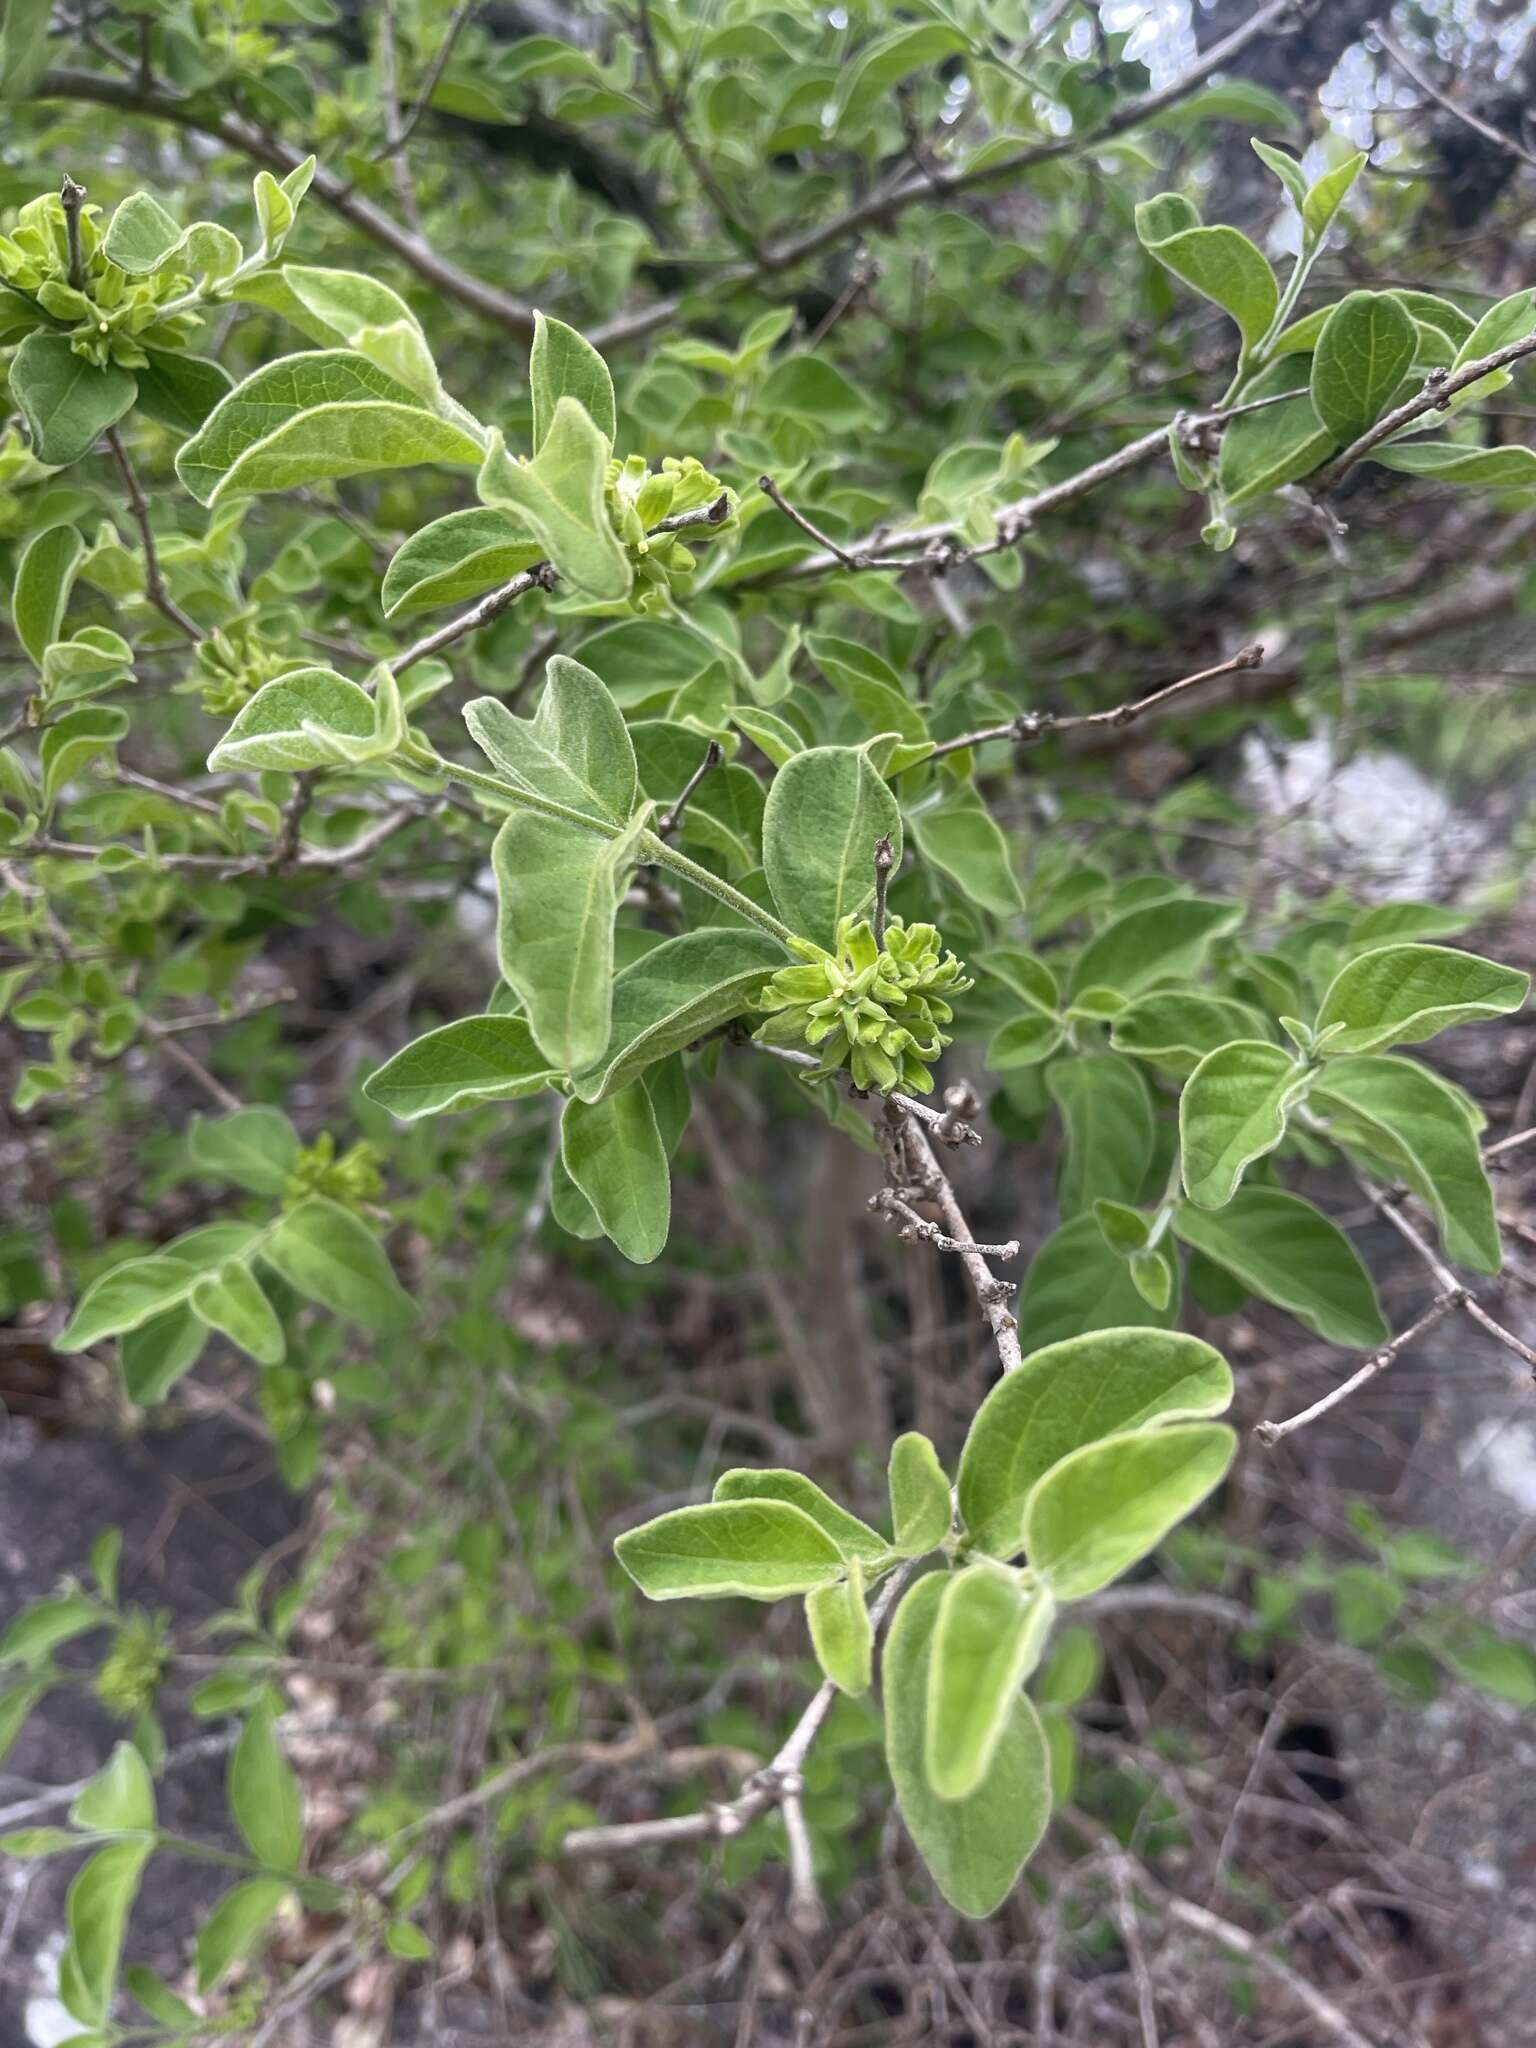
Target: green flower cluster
(233, 664)
(640, 497)
(353, 1180)
(110, 317)
(874, 1008)
(135, 1665)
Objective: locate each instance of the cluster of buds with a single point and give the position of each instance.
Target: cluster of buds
(233, 664)
(875, 1007)
(134, 1667)
(640, 498)
(110, 316)
(353, 1180)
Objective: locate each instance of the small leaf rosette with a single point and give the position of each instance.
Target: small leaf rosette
(877, 1009)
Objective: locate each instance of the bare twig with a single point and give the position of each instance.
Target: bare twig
(911, 1226)
(938, 1121)
(885, 863)
(1229, 1936)
(154, 580)
(178, 1055)
(433, 78)
(1030, 727)
(714, 754)
(992, 1295)
(771, 490)
(1475, 122)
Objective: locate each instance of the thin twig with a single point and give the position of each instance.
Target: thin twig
(394, 137)
(885, 863)
(992, 1295)
(771, 490)
(154, 580)
(714, 754)
(1030, 727)
(1213, 1928)
(949, 1132)
(434, 77)
(1475, 122)
(911, 1226)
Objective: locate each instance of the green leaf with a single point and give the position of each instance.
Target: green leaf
(1219, 263)
(66, 401)
(1175, 1028)
(156, 1354)
(1451, 462)
(455, 558)
(1024, 1043)
(1076, 1285)
(1362, 356)
(72, 741)
(26, 1843)
(812, 390)
(127, 1296)
(1418, 1125)
(874, 689)
(459, 1066)
(559, 889)
(1262, 450)
(920, 1497)
(975, 1847)
(403, 1938)
(759, 1549)
(885, 61)
(16, 1705)
(1506, 1670)
(614, 1153)
(315, 418)
(575, 749)
(264, 1794)
(1512, 319)
(676, 993)
(255, 1148)
(96, 1912)
(1105, 1106)
(988, 1638)
(958, 835)
(564, 364)
(1099, 1511)
(1285, 168)
(560, 497)
(841, 1633)
(1072, 1670)
(826, 810)
(1401, 995)
(142, 238)
(1287, 1252)
(1158, 942)
(1069, 1395)
(855, 1540)
(178, 391)
(1328, 194)
(1232, 1111)
(314, 718)
(45, 575)
(326, 1254)
(235, 1926)
(231, 1300)
(120, 1799)
(39, 1629)
(1365, 1603)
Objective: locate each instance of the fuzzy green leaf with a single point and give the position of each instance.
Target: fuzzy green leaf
(1099, 1511)
(328, 1255)
(855, 1540)
(1287, 1252)
(575, 749)
(614, 1153)
(459, 1066)
(758, 1549)
(563, 364)
(826, 810)
(920, 1499)
(1362, 356)
(676, 993)
(1401, 995)
(264, 1794)
(1232, 1111)
(235, 1926)
(66, 401)
(45, 575)
(456, 558)
(560, 497)
(990, 1633)
(841, 1633)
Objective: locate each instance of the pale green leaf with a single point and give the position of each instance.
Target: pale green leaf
(96, 1912)
(841, 1634)
(1156, 942)
(563, 364)
(231, 1300)
(956, 833)
(990, 1632)
(1287, 1252)
(313, 718)
(560, 497)
(674, 994)
(45, 575)
(157, 1353)
(575, 750)
(328, 1255)
(1278, 443)
(1418, 1126)
(920, 1496)
(854, 1539)
(39, 1629)
(142, 238)
(1329, 193)
(1175, 1028)
(1232, 1111)
(120, 1799)
(1099, 1511)
(235, 1926)
(1451, 462)
(455, 558)
(614, 1153)
(264, 1794)
(559, 888)
(1219, 263)
(1401, 995)
(1076, 1285)
(459, 1066)
(975, 1847)
(1069, 1395)
(758, 1549)
(127, 1296)
(826, 811)
(255, 1148)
